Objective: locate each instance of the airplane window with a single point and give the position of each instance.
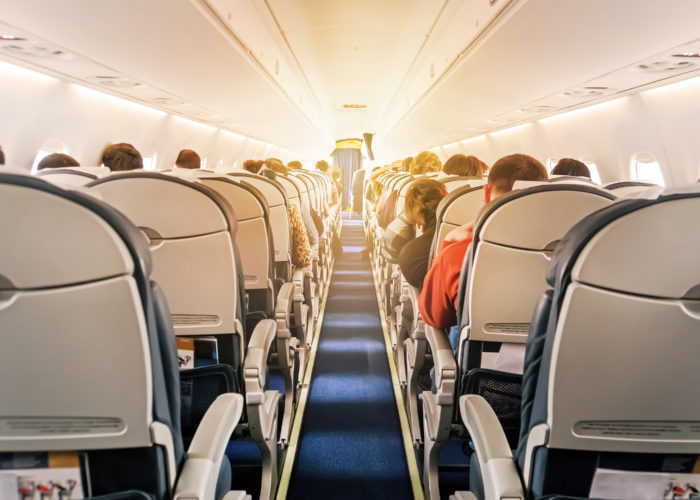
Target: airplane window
(203, 163)
(551, 163)
(592, 167)
(646, 168)
(149, 162)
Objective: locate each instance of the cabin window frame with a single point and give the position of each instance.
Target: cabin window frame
(649, 163)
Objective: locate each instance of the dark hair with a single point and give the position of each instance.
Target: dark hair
(276, 166)
(517, 167)
(569, 166)
(422, 199)
(294, 165)
(57, 160)
(467, 166)
(322, 165)
(121, 157)
(2, 156)
(406, 163)
(425, 162)
(253, 166)
(188, 159)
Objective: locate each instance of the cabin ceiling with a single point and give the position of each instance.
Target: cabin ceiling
(428, 71)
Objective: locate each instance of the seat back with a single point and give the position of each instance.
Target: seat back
(457, 208)
(454, 182)
(81, 323)
(612, 367)
(191, 230)
(308, 191)
(72, 176)
(625, 189)
(401, 187)
(514, 238)
(276, 198)
(253, 239)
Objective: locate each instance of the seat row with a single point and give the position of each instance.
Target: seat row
(517, 238)
(81, 276)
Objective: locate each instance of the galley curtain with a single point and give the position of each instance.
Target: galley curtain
(349, 161)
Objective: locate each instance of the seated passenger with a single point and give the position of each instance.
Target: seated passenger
(57, 160)
(188, 159)
(121, 157)
(294, 165)
(322, 165)
(438, 299)
(425, 162)
(407, 163)
(336, 187)
(569, 166)
(464, 166)
(301, 248)
(422, 199)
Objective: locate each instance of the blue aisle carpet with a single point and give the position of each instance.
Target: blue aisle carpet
(351, 445)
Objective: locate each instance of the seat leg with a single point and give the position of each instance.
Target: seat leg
(415, 357)
(262, 420)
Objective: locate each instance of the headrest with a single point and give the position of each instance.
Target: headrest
(165, 206)
(627, 184)
(289, 187)
(640, 246)
(527, 184)
(190, 174)
(572, 179)
(454, 182)
(53, 237)
(537, 218)
(273, 190)
(458, 202)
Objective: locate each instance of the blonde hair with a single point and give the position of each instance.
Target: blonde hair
(425, 162)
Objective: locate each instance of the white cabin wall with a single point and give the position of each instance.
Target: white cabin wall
(662, 122)
(46, 110)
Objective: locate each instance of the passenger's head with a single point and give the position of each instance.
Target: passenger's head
(253, 166)
(509, 169)
(407, 163)
(188, 159)
(569, 166)
(121, 157)
(2, 156)
(467, 166)
(422, 199)
(57, 160)
(335, 173)
(322, 165)
(294, 165)
(424, 163)
(276, 166)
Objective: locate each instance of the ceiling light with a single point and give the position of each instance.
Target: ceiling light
(9, 38)
(687, 54)
(354, 106)
(588, 92)
(35, 50)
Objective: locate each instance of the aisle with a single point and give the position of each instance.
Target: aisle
(351, 445)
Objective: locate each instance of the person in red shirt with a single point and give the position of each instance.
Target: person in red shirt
(438, 299)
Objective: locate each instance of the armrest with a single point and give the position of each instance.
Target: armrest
(200, 471)
(283, 309)
(445, 365)
(500, 476)
(255, 364)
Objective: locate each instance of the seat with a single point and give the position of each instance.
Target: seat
(72, 176)
(265, 299)
(626, 189)
(192, 234)
(610, 365)
(408, 329)
(502, 278)
(89, 363)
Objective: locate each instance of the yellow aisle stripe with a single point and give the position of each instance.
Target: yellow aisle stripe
(291, 452)
(403, 419)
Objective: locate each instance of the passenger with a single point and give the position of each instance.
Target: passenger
(438, 300)
(188, 159)
(322, 165)
(121, 157)
(422, 200)
(569, 166)
(57, 160)
(426, 162)
(407, 163)
(294, 165)
(301, 246)
(336, 187)
(465, 166)
(254, 166)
